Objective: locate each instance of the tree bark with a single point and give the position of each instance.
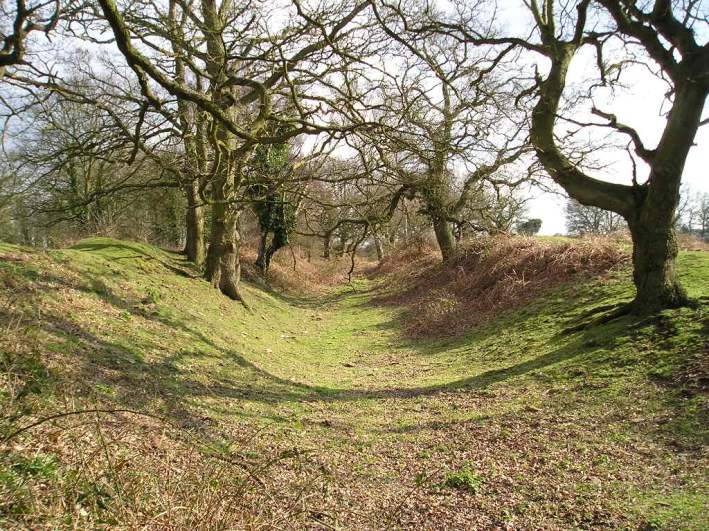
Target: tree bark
(654, 268)
(326, 244)
(223, 263)
(652, 224)
(444, 237)
(194, 219)
(266, 251)
(262, 261)
(378, 247)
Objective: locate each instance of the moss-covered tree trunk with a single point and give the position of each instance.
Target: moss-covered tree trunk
(223, 269)
(261, 259)
(444, 238)
(223, 264)
(654, 268)
(652, 222)
(267, 250)
(194, 220)
(326, 245)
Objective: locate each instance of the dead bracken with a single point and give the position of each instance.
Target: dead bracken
(487, 277)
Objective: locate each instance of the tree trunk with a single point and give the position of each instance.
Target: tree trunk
(223, 264)
(268, 256)
(326, 244)
(379, 248)
(263, 260)
(266, 251)
(223, 269)
(458, 233)
(444, 237)
(653, 224)
(654, 269)
(194, 242)
(341, 248)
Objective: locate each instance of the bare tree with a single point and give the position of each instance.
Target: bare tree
(582, 220)
(74, 166)
(649, 208)
(450, 124)
(247, 75)
(660, 33)
(703, 216)
(694, 217)
(18, 20)
(338, 206)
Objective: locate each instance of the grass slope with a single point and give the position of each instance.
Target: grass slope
(322, 414)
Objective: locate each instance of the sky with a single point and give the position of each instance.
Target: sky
(639, 107)
(550, 207)
(640, 104)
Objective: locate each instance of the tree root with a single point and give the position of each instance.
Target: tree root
(599, 309)
(234, 293)
(615, 311)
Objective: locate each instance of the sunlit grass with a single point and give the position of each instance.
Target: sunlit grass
(129, 326)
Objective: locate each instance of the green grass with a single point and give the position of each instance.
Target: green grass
(464, 479)
(602, 428)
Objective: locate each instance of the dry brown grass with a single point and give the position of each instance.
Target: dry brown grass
(488, 276)
(292, 272)
(688, 242)
(685, 242)
(102, 470)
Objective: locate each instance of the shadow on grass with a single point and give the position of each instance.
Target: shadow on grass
(169, 384)
(108, 251)
(140, 383)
